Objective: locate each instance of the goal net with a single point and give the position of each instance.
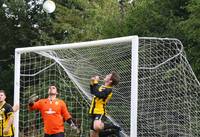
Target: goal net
(158, 93)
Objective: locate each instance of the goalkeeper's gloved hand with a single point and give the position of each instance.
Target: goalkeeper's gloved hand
(73, 126)
(32, 99)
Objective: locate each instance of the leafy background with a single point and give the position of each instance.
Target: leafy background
(23, 23)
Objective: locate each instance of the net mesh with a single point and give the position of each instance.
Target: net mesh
(168, 91)
(168, 96)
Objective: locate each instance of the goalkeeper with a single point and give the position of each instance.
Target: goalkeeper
(54, 112)
(102, 94)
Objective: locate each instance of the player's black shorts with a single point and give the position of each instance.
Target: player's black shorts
(55, 135)
(97, 117)
(6, 136)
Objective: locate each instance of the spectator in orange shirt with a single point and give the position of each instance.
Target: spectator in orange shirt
(54, 112)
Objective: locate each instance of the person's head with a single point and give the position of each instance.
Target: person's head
(52, 89)
(2, 95)
(112, 78)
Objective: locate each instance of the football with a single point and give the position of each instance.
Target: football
(49, 6)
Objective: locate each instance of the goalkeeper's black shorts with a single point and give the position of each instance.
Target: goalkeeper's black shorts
(55, 135)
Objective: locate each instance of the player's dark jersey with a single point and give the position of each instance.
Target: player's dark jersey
(102, 94)
(6, 112)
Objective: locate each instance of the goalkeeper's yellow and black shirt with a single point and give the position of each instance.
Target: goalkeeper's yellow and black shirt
(102, 94)
(6, 112)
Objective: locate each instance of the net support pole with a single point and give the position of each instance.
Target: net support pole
(134, 85)
(16, 91)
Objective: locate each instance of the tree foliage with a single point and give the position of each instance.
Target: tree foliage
(191, 33)
(24, 23)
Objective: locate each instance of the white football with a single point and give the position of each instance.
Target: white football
(49, 6)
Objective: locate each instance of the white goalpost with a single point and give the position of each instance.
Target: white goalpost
(158, 93)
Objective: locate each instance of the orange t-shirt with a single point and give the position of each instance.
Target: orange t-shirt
(54, 113)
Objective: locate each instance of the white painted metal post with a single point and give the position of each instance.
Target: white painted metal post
(134, 85)
(17, 91)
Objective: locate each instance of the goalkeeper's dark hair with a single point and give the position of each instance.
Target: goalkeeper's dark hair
(53, 84)
(115, 78)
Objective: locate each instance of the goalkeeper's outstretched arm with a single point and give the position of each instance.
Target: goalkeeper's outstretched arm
(68, 118)
(32, 99)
